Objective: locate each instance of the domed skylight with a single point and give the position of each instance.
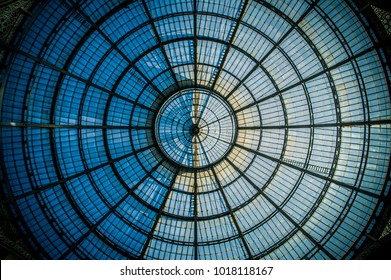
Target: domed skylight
(196, 129)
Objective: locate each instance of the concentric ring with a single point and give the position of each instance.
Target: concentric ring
(199, 129)
(195, 128)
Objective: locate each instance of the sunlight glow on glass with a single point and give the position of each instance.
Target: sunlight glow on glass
(195, 128)
(200, 129)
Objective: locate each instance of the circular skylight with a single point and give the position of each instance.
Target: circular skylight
(196, 129)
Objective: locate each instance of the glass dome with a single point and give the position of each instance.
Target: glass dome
(197, 129)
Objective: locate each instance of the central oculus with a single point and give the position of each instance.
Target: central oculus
(195, 128)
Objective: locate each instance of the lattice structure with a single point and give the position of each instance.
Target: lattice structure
(196, 129)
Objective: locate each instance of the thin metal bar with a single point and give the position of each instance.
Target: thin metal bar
(195, 42)
(114, 45)
(342, 184)
(228, 206)
(159, 41)
(76, 77)
(84, 172)
(111, 210)
(202, 150)
(214, 137)
(195, 216)
(228, 46)
(238, 229)
(279, 209)
(275, 46)
(76, 126)
(159, 214)
(305, 80)
(215, 121)
(321, 125)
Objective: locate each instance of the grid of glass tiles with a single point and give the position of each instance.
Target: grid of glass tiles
(309, 165)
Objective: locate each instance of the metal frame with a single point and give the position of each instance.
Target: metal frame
(52, 126)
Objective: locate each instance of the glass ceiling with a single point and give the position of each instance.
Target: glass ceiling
(197, 129)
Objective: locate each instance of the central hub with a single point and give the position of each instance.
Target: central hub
(195, 128)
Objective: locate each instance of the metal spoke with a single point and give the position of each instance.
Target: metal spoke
(70, 126)
(275, 46)
(279, 209)
(305, 80)
(115, 46)
(94, 227)
(315, 174)
(84, 172)
(205, 129)
(227, 47)
(159, 40)
(159, 215)
(232, 215)
(76, 77)
(320, 125)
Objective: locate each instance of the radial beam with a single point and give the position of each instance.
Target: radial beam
(320, 125)
(114, 46)
(282, 211)
(159, 215)
(159, 41)
(111, 210)
(227, 47)
(70, 126)
(84, 172)
(275, 46)
(76, 77)
(233, 217)
(315, 174)
(195, 42)
(305, 80)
